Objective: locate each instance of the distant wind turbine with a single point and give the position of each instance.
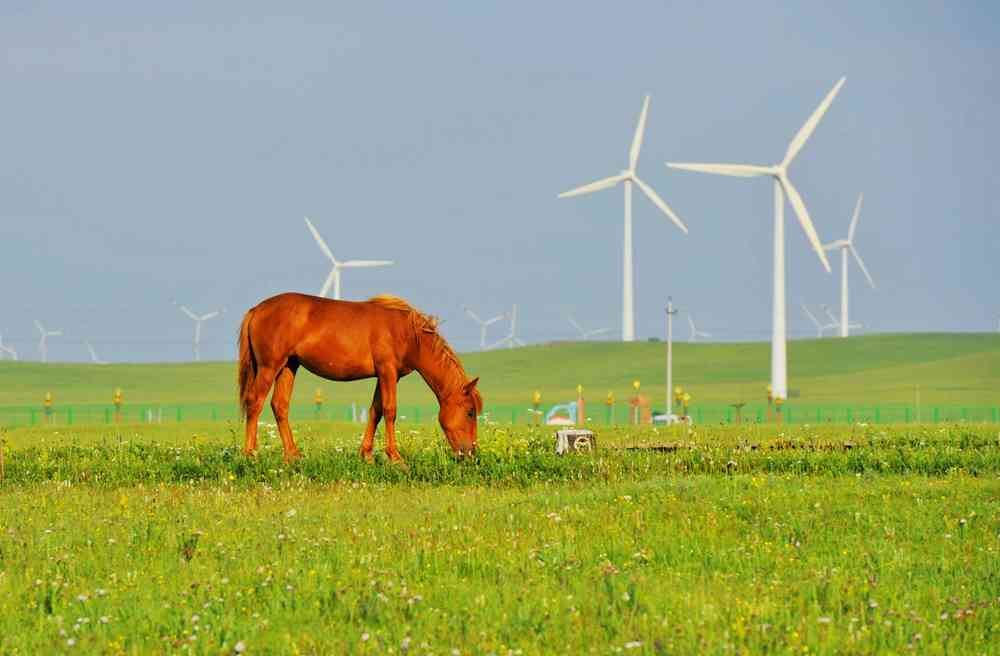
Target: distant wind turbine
(511, 340)
(334, 277)
(695, 333)
(587, 334)
(43, 342)
(782, 187)
(93, 354)
(8, 350)
(198, 320)
(821, 328)
(483, 325)
(846, 245)
(854, 326)
(628, 176)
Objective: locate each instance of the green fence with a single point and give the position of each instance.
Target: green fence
(792, 413)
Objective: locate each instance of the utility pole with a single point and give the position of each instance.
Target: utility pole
(670, 354)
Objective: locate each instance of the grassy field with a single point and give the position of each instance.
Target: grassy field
(950, 369)
(829, 539)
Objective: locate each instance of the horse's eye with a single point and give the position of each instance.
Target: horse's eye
(471, 414)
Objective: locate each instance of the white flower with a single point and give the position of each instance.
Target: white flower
(635, 644)
(240, 647)
(365, 636)
(70, 642)
(291, 513)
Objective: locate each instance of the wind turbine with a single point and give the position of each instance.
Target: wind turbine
(837, 322)
(9, 350)
(628, 176)
(782, 186)
(483, 325)
(43, 343)
(334, 277)
(587, 334)
(848, 245)
(695, 333)
(821, 328)
(511, 340)
(198, 320)
(93, 354)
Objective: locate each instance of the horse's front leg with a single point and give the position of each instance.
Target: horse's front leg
(387, 381)
(374, 416)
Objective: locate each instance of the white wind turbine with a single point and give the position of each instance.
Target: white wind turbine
(695, 333)
(9, 350)
(43, 342)
(782, 186)
(93, 354)
(483, 325)
(628, 176)
(198, 320)
(511, 340)
(334, 277)
(587, 334)
(821, 328)
(837, 322)
(846, 245)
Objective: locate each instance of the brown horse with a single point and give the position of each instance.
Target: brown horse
(383, 337)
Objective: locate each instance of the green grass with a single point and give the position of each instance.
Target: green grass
(950, 369)
(830, 539)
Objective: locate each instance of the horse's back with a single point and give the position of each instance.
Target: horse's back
(341, 340)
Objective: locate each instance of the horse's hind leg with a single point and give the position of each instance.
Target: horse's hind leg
(387, 384)
(374, 416)
(280, 401)
(255, 404)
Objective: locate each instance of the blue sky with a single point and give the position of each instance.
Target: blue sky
(171, 151)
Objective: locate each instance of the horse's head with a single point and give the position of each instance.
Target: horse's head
(458, 418)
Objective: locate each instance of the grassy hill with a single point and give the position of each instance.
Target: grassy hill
(950, 369)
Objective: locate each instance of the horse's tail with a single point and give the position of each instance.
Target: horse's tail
(247, 373)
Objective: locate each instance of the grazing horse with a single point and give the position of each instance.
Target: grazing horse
(383, 337)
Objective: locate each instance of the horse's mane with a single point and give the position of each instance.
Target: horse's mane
(424, 324)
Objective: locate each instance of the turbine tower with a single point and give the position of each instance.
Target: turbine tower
(198, 320)
(846, 245)
(628, 176)
(821, 328)
(511, 340)
(93, 354)
(334, 277)
(483, 325)
(587, 334)
(782, 187)
(695, 333)
(8, 350)
(43, 342)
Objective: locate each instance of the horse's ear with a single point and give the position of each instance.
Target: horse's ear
(471, 385)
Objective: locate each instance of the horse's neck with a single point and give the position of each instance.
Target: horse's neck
(442, 374)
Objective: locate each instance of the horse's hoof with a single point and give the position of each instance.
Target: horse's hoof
(250, 454)
(369, 458)
(400, 464)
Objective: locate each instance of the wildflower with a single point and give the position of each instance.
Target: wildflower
(405, 644)
(81, 598)
(365, 636)
(104, 619)
(291, 513)
(240, 647)
(70, 642)
(635, 644)
(824, 620)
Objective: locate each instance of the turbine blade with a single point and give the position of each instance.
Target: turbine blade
(861, 264)
(319, 240)
(633, 153)
(803, 214)
(329, 283)
(579, 328)
(811, 316)
(736, 170)
(188, 312)
(55, 333)
(591, 187)
(41, 328)
(354, 264)
(210, 315)
(854, 220)
(475, 317)
(807, 129)
(652, 195)
(495, 319)
(601, 331)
